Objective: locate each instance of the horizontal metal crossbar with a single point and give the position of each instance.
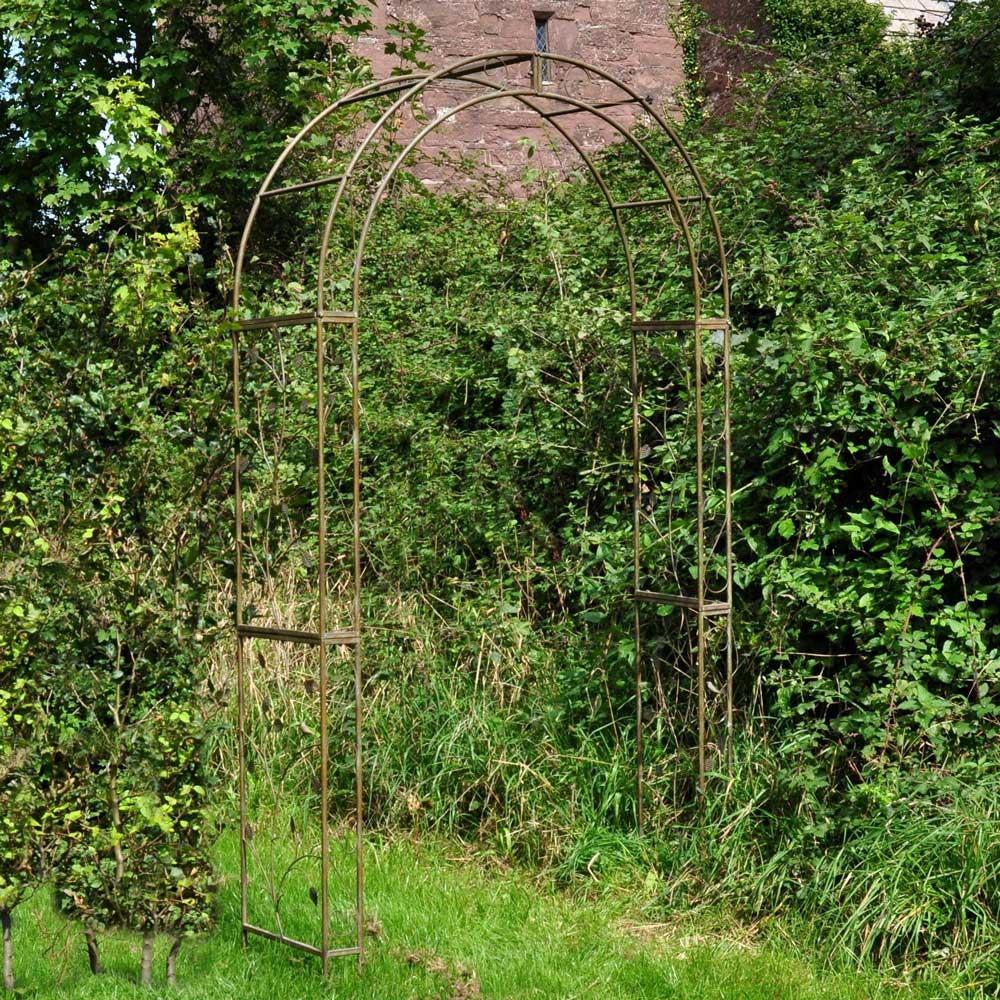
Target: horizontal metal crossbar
(649, 325)
(679, 601)
(304, 186)
(296, 319)
(301, 945)
(338, 637)
(687, 199)
(599, 106)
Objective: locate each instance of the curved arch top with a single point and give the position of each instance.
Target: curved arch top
(689, 211)
(469, 72)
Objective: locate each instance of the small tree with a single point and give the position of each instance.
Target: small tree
(168, 842)
(23, 808)
(138, 855)
(137, 835)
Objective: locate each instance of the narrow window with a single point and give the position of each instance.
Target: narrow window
(542, 43)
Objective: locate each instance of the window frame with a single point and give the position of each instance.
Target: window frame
(543, 42)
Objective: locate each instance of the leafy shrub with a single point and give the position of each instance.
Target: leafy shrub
(798, 27)
(866, 428)
(25, 802)
(112, 644)
(24, 837)
(136, 847)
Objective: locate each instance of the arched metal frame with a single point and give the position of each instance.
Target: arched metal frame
(537, 94)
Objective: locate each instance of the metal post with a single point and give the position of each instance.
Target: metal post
(359, 793)
(324, 688)
(240, 664)
(700, 450)
(636, 577)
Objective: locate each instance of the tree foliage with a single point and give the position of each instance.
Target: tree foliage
(120, 103)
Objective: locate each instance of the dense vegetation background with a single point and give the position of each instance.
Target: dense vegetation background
(858, 187)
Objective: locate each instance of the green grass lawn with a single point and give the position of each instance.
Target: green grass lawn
(451, 928)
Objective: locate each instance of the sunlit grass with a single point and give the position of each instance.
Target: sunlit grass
(445, 926)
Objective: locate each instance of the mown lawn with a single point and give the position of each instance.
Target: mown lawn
(449, 928)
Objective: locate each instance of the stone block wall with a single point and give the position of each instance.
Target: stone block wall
(630, 39)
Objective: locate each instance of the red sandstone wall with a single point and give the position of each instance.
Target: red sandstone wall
(733, 40)
(630, 39)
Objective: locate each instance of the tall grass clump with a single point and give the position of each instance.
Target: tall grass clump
(899, 869)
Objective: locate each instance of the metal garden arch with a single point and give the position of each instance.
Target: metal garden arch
(560, 91)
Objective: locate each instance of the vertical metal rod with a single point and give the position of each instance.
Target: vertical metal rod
(359, 846)
(240, 666)
(640, 750)
(241, 740)
(324, 736)
(727, 432)
(636, 561)
(327, 232)
(700, 461)
(730, 647)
